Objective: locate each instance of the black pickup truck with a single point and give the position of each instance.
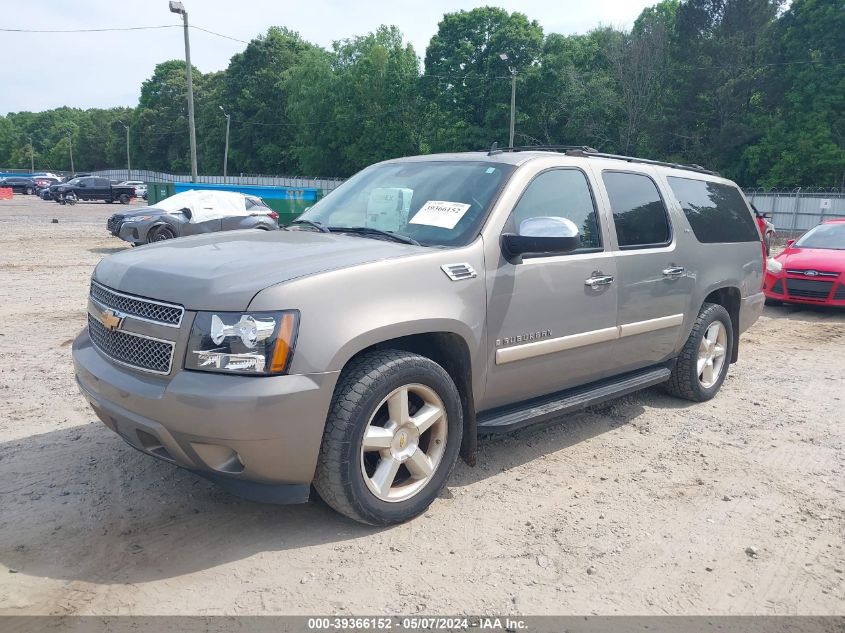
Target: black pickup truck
(91, 188)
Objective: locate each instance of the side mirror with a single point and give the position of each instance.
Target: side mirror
(82, 184)
(789, 243)
(543, 235)
(187, 213)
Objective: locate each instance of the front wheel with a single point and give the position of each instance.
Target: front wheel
(162, 233)
(703, 363)
(391, 438)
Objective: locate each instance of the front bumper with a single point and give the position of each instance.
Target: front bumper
(135, 232)
(831, 293)
(258, 437)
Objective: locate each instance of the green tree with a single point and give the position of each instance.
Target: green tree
(254, 92)
(160, 126)
(467, 83)
(357, 105)
(803, 140)
(571, 97)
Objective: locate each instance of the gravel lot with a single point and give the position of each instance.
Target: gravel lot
(648, 505)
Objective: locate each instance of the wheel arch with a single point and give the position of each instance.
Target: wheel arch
(451, 351)
(730, 298)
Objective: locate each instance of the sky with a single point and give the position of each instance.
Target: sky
(43, 71)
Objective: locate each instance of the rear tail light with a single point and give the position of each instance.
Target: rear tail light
(273, 215)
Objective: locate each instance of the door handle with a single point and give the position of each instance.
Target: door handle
(673, 271)
(597, 281)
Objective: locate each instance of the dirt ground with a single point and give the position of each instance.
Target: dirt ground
(648, 505)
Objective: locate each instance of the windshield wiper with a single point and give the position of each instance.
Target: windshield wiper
(366, 230)
(311, 223)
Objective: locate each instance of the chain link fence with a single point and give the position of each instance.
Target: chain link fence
(297, 182)
(794, 211)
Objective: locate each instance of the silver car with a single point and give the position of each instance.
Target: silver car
(425, 302)
(193, 212)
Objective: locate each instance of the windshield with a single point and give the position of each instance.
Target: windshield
(437, 203)
(828, 236)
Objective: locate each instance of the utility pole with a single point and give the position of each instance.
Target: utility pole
(70, 145)
(226, 151)
(178, 7)
(31, 156)
(128, 164)
(504, 57)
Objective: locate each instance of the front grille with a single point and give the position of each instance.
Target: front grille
(808, 289)
(130, 349)
(812, 271)
(114, 223)
(778, 287)
(840, 293)
(146, 309)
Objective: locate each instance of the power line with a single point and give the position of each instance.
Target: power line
(126, 28)
(228, 37)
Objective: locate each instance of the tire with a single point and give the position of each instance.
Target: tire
(109, 201)
(123, 198)
(28, 191)
(690, 382)
(346, 476)
(161, 234)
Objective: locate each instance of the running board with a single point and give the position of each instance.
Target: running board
(516, 416)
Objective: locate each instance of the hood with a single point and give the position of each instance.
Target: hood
(224, 271)
(813, 259)
(144, 211)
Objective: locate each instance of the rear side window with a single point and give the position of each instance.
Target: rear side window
(717, 213)
(638, 210)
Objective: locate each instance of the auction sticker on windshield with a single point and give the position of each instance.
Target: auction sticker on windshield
(440, 213)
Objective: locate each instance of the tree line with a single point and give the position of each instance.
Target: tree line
(752, 88)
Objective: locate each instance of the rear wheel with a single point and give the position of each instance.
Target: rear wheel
(703, 363)
(391, 438)
(123, 198)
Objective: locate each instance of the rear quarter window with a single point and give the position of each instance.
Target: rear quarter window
(716, 212)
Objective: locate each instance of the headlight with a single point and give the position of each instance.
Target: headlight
(774, 266)
(254, 343)
(138, 218)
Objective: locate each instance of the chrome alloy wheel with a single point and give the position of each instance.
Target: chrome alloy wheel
(711, 354)
(404, 442)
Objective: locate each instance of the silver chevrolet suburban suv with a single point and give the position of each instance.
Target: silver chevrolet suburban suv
(426, 301)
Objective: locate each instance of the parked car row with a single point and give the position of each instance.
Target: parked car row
(48, 186)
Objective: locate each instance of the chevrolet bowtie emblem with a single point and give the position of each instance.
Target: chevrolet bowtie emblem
(110, 320)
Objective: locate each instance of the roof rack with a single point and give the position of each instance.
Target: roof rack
(645, 161)
(589, 152)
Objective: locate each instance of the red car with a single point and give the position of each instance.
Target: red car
(810, 270)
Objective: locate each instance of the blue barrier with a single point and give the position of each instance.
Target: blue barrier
(263, 192)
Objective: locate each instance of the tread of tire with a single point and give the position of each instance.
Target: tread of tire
(353, 385)
(678, 383)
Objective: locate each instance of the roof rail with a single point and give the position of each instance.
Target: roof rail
(589, 152)
(644, 161)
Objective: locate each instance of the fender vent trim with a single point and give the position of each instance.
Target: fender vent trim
(459, 272)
